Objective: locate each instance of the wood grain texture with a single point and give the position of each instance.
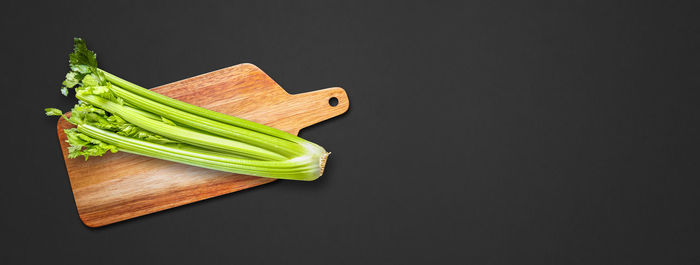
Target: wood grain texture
(121, 186)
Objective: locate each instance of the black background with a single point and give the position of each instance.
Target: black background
(482, 132)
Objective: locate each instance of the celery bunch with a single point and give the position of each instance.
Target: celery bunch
(113, 115)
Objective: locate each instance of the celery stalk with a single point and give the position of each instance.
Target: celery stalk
(116, 115)
(179, 133)
(302, 168)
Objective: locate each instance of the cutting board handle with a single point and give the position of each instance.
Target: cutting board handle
(313, 107)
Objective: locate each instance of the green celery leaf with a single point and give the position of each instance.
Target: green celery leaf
(86, 146)
(90, 80)
(81, 56)
(72, 79)
(53, 112)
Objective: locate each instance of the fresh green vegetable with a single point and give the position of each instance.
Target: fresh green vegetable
(115, 115)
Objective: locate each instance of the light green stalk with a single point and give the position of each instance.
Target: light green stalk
(116, 115)
(301, 168)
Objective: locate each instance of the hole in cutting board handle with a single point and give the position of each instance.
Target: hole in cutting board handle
(333, 101)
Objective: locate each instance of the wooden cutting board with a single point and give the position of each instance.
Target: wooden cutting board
(121, 186)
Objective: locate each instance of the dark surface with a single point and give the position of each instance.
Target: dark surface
(489, 132)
